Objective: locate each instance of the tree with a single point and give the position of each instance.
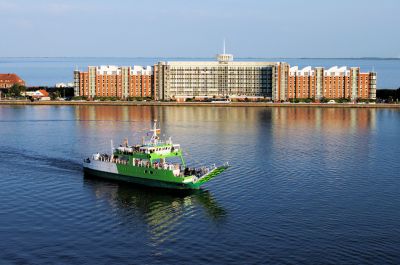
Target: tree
(15, 90)
(54, 95)
(324, 100)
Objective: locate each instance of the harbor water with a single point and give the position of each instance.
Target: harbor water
(306, 186)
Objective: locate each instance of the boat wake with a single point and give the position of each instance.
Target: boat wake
(23, 157)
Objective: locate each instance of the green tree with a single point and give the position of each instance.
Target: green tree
(55, 95)
(16, 90)
(324, 100)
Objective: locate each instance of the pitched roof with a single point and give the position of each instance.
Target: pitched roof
(44, 92)
(10, 79)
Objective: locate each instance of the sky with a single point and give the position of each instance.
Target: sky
(179, 28)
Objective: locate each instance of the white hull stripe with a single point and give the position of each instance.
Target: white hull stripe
(102, 166)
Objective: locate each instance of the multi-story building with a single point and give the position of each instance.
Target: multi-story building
(221, 78)
(333, 83)
(113, 81)
(180, 80)
(8, 80)
(255, 80)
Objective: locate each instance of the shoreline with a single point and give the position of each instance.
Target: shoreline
(196, 104)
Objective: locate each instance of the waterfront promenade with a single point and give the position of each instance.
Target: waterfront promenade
(197, 104)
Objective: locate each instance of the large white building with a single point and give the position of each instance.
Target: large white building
(222, 78)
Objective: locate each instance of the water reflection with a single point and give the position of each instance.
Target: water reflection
(331, 118)
(116, 113)
(328, 119)
(301, 136)
(324, 139)
(162, 211)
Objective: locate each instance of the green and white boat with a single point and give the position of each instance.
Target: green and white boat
(151, 164)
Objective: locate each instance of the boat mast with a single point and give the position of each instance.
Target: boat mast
(154, 137)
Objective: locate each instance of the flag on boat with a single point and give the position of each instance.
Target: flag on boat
(158, 131)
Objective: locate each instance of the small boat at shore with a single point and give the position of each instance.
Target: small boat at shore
(149, 164)
(220, 100)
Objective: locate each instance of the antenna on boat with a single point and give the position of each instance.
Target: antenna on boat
(154, 137)
(155, 128)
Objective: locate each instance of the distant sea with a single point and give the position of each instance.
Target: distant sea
(47, 71)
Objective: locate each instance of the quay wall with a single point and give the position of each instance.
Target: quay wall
(196, 104)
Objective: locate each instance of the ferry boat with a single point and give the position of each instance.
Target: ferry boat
(150, 164)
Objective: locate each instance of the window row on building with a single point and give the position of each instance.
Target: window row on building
(113, 81)
(223, 78)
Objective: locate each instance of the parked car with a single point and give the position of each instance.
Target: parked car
(331, 101)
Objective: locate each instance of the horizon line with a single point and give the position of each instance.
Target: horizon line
(203, 57)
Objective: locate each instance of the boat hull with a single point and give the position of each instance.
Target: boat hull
(139, 180)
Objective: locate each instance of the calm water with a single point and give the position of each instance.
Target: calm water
(307, 186)
(49, 71)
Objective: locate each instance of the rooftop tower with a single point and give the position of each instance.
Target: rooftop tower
(224, 58)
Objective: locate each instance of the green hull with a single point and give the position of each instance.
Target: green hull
(142, 181)
(146, 164)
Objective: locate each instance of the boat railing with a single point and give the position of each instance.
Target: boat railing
(199, 172)
(155, 165)
(110, 159)
(159, 142)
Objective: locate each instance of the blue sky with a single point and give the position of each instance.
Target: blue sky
(168, 28)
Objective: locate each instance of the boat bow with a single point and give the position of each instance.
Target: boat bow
(212, 174)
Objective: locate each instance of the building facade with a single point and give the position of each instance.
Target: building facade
(8, 80)
(114, 81)
(333, 83)
(222, 78)
(225, 78)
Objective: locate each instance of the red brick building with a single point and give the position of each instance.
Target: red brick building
(113, 81)
(332, 83)
(275, 81)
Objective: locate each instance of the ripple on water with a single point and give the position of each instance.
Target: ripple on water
(305, 186)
